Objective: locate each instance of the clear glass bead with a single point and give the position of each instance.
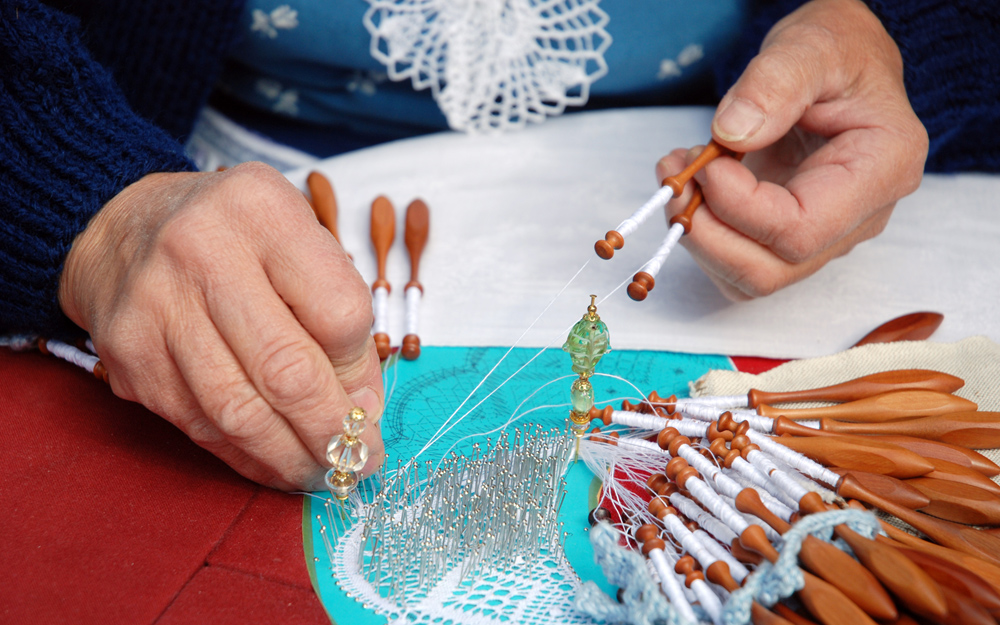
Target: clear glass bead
(341, 483)
(346, 453)
(353, 428)
(354, 422)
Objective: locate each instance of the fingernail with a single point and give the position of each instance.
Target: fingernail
(371, 401)
(739, 121)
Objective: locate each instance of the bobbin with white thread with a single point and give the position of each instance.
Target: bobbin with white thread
(671, 186)
(383, 231)
(415, 237)
(652, 548)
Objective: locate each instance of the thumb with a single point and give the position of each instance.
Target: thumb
(790, 74)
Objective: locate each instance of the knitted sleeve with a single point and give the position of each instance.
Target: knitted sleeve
(951, 59)
(69, 142)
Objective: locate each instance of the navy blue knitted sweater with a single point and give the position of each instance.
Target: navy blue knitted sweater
(96, 94)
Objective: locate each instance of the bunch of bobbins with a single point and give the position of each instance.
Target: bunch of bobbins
(415, 237)
(383, 232)
(912, 577)
(755, 479)
(347, 455)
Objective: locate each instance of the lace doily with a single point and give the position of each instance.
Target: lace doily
(540, 593)
(492, 64)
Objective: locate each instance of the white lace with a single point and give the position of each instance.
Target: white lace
(539, 593)
(492, 65)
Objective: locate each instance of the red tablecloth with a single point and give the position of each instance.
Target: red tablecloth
(108, 514)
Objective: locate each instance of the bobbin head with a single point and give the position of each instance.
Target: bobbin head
(666, 435)
(606, 247)
(642, 284)
(411, 347)
(382, 345)
(646, 532)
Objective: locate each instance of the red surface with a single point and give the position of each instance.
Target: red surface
(108, 514)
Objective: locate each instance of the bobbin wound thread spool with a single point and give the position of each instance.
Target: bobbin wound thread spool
(415, 237)
(347, 455)
(586, 344)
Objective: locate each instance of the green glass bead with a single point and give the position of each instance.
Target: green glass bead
(582, 396)
(587, 342)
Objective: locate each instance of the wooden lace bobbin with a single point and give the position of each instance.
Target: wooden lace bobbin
(895, 490)
(74, 355)
(679, 446)
(928, 446)
(653, 548)
(324, 201)
(383, 232)
(822, 558)
(694, 579)
(917, 591)
(635, 420)
(955, 536)
(951, 472)
(865, 386)
(912, 327)
(645, 279)
(671, 186)
(955, 578)
(415, 236)
(824, 601)
(959, 502)
(765, 443)
(901, 404)
(863, 454)
(716, 570)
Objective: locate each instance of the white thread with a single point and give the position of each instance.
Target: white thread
(784, 481)
(708, 600)
(671, 587)
(638, 444)
(736, 568)
(658, 200)
(716, 505)
(638, 420)
(90, 346)
(72, 354)
(654, 264)
(796, 460)
(413, 295)
(700, 412)
(718, 401)
(759, 478)
(18, 342)
(445, 427)
(380, 307)
(712, 525)
(688, 540)
(689, 428)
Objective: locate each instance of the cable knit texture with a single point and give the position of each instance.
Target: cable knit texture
(71, 139)
(951, 58)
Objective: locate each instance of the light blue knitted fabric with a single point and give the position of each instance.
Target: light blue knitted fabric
(643, 604)
(642, 601)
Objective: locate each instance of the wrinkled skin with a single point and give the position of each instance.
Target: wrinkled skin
(220, 303)
(832, 143)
